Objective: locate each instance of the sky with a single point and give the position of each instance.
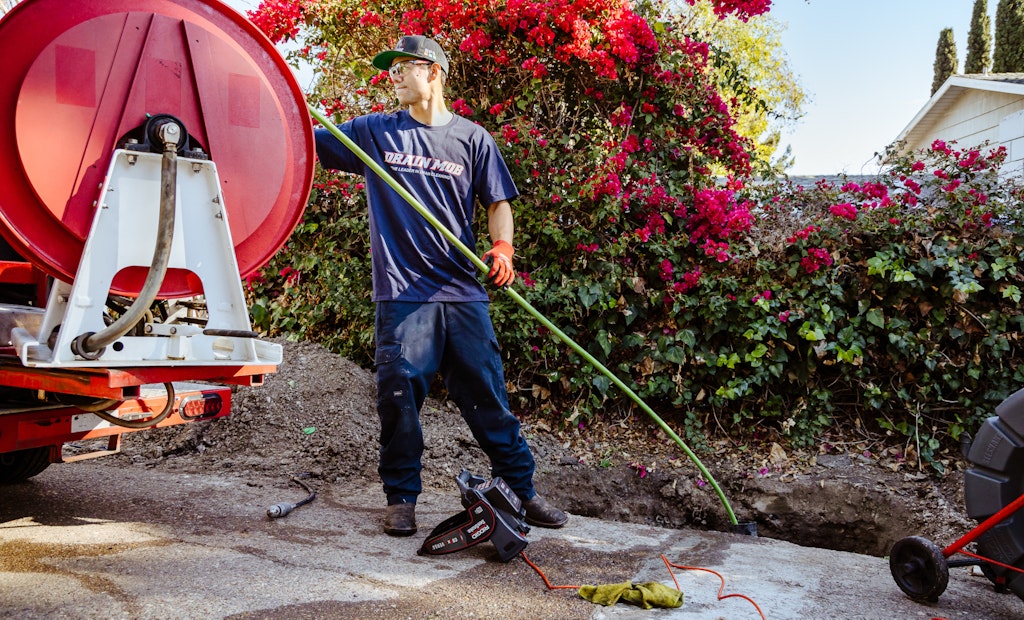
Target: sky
(866, 67)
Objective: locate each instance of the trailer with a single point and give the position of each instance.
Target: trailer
(153, 153)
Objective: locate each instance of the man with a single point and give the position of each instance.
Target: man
(432, 311)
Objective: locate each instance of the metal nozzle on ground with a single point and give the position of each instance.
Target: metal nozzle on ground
(283, 508)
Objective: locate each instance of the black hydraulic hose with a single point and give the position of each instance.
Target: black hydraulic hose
(90, 345)
(232, 333)
(136, 424)
(283, 508)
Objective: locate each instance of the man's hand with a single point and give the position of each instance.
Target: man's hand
(499, 258)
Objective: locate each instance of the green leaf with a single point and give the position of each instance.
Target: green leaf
(876, 317)
(687, 337)
(676, 355)
(259, 314)
(759, 351)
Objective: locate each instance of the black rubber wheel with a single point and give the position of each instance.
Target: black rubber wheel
(23, 464)
(919, 568)
(994, 480)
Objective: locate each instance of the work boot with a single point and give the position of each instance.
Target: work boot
(400, 520)
(542, 514)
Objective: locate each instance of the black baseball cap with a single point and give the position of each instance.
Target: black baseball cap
(417, 46)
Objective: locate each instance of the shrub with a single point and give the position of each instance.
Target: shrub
(758, 308)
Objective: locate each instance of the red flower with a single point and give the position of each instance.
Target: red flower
(510, 134)
(535, 66)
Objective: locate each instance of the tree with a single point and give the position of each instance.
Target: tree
(1008, 55)
(979, 40)
(945, 58)
(771, 99)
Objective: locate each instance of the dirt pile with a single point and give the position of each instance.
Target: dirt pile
(317, 414)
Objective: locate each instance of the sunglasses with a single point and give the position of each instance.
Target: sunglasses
(402, 68)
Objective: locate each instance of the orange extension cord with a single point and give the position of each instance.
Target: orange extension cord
(669, 566)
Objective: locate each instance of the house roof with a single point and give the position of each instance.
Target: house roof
(808, 181)
(950, 92)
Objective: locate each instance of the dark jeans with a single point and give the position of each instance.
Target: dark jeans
(415, 341)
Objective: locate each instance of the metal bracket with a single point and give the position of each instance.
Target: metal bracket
(123, 234)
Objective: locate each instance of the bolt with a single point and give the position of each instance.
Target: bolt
(169, 133)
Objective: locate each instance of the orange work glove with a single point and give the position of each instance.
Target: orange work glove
(499, 258)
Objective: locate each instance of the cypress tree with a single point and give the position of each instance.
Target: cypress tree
(945, 58)
(979, 40)
(1008, 54)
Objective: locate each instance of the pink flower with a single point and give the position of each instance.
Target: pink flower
(623, 116)
(666, 270)
(846, 211)
(690, 280)
(816, 259)
(744, 9)
(717, 215)
(460, 107)
(803, 234)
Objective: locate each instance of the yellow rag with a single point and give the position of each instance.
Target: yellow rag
(646, 595)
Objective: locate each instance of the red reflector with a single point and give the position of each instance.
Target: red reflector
(201, 406)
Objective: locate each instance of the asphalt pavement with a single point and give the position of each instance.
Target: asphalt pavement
(99, 539)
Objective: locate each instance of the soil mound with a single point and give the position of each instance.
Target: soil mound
(317, 414)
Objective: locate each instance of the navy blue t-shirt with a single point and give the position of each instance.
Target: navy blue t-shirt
(448, 168)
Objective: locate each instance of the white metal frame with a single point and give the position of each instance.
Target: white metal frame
(124, 234)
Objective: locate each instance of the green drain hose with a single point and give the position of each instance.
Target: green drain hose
(441, 228)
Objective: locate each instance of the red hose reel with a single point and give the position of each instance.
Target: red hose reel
(80, 75)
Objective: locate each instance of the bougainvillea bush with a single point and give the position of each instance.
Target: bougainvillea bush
(889, 306)
(732, 305)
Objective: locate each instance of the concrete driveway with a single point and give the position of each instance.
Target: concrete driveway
(101, 539)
